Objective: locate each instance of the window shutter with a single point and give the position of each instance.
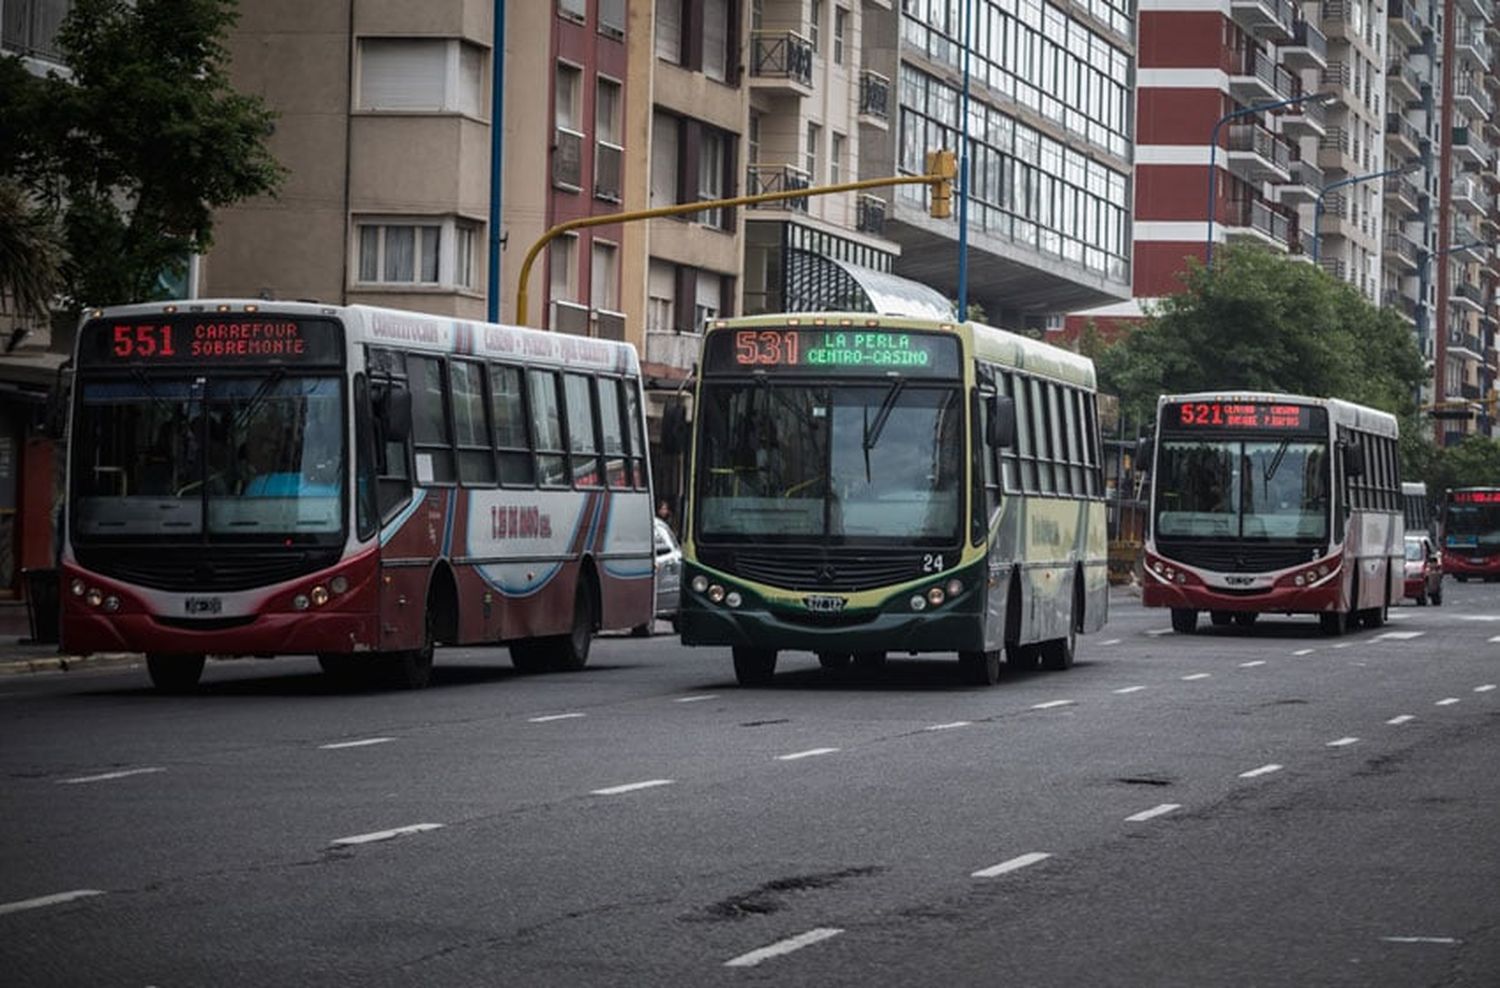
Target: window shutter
(402, 74)
(686, 294)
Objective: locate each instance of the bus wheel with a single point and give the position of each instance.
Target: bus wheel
(1375, 617)
(1333, 623)
(869, 661)
(174, 673)
(340, 667)
(529, 655)
(754, 666)
(641, 630)
(980, 668)
(412, 669)
(1058, 653)
(1245, 618)
(1022, 658)
(572, 652)
(1184, 620)
(1461, 579)
(834, 660)
(1220, 619)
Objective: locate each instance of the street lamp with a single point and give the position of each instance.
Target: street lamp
(1317, 233)
(1213, 147)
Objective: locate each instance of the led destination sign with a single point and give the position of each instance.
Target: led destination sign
(248, 338)
(1274, 417)
(1475, 497)
(841, 350)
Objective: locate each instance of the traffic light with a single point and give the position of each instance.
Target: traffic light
(943, 164)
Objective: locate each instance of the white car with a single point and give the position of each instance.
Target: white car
(667, 561)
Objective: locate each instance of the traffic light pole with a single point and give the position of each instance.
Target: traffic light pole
(941, 183)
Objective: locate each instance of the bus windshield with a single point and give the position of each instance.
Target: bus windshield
(844, 463)
(1243, 489)
(224, 458)
(1472, 524)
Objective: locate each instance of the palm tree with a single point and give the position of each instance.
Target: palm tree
(31, 256)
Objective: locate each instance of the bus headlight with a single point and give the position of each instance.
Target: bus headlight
(700, 584)
(339, 584)
(78, 588)
(918, 602)
(111, 603)
(733, 598)
(95, 598)
(319, 595)
(955, 587)
(935, 596)
(716, 594)
(300, 602)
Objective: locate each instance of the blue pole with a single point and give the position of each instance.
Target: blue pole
(963, 177)
(497, 141)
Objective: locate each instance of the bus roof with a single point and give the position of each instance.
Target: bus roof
(1413, 487)
(415, 331)
(1340, 412)
(989, 343)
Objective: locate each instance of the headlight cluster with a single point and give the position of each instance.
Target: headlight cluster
(95, 597)
(1168, 573)
(936, 595)
(320, 594)
(1311, 575)
(715, 592)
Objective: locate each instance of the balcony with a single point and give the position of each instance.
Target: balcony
(1308, 48)
(1338, 81)
(1337, 18)
(1306, 119)
(568, 317)
(1469, 149)
(567, 159)
(763, 179)
(1334, 220)
(1256, 78)
(1334, 152)
(1402, 251)
(1471, 47)
(607, 163)
(1269, 20)
(1257, 155)
(1306, 182)
(669, 349)
(1401, 303)
(870, 214)
(781, 63)
(1477, 9)
(1402, 137)
(1468, 346)
(1403, 85)
(1469, 196)
(1257, 221)
(1470, 98)
(1335, 267)
(1403, 195)
(1403, 23)
(874, 99)
(1467, 296)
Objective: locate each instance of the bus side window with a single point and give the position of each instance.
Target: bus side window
(1025, 433)
(546, 422)
(1042, 433)
(612, 433)
(1095, 466)
(583, 437)
(471, 425)
(431, 434)
(512, 435)
(1010, 466)
(1073, 425)
(366, 502)
(637, 437)
(392, 456)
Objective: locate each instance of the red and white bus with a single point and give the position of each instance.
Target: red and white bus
(1273, 503)
(1471, 533)
(357, 483)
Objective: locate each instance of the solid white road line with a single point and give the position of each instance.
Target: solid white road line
(1400, 636)
(1252, 665)
(809, 753)
(1446, 702)
(1421, 940)
(548, 718)
(1197, 675)
(1155, 811)
(631, 787)
(1155, 632)
(354, 744)
(1013, 864)
(695, 699)
(46, 900)
(1343, 644)
(1485, 688)
(949, 726)
(1130, 689)
(1263, 770)
(1304, 651)
(1401, 719)
(781, 947)
(1343, 742)
(108, 775)
(1112, 641)
(381, 835)
(1051, 703)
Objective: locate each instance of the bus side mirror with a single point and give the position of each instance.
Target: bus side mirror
(1354, 461)
(393, 409)
(1144, 447)
(674, 429)
(1000, 430)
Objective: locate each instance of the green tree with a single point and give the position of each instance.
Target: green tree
(135, 150)
(31, 255)
(1475, 462)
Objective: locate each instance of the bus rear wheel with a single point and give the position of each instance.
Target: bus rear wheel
(529, 655)
(834, 660)
(412, 669)
(980, 668)
(174, 673)
(1184, 620)
(754, 666)
(1333, 623)
(1022, 658)
(341, 668)
(1220, 619)
(1245, 618)
(571, 651)
(869, 661)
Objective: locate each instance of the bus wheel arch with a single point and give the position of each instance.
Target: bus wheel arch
(442, 599)
(572, 648)
(1018, 656)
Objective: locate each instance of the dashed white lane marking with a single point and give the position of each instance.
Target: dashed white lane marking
(1495, 640)
(631, 787)
(1112, 641)
(1197, 675)
(1343, 742)
(1130, 689)
(1154, 811)
(1400, 636)
(1156, 632)
(781, 947)
(1485, 688)
(1304, 651)
(1253, 664)
(1050, 704)
(1012, 865)
(381, 835)
(1401, 719)
(696, 699)
(1446, 702)
(56, 899)
(547, 718)
(364, 743)
(1421, 940)
(809, 753)
(949, 726)
(1263, 770)
(1343, 644)
(106, 776)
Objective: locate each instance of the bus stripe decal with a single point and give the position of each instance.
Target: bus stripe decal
(448, 519)
(390, 530)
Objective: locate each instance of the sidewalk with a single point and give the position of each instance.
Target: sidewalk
(22, 655)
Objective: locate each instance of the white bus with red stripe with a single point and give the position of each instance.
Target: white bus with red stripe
(1273, 503)
(350, 482)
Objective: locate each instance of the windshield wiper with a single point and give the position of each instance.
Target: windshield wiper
(888, 405)
(259, 396)
(1275, 463)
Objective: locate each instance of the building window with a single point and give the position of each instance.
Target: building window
(612, 18)
(836, 159)
(567, 145)
(573, 10)
(562, 265)
(604, 276)
(810, 160)
(421, 74)
(568, 97)
(608, 153)
(716, 56)
(660, 292)
(840, 28)
(709, 296)
(399, 253)
(669, 31)
(664, 128)
(464, 236)
(711, 150)
(814, 24)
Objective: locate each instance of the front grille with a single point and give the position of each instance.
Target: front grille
(206, 624)
(820, 570)
(217, 569)
(1237, 557)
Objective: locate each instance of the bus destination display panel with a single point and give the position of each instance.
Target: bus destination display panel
(1192, 416)
(217, 338)
(1475, 497)
(839, 350)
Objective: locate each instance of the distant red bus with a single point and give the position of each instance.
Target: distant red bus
(356, 483)
(1471, 533)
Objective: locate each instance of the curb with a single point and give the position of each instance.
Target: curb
(68, 663)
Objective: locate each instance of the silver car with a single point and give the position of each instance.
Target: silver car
(667, 562)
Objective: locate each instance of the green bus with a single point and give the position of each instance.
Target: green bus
(862, 485)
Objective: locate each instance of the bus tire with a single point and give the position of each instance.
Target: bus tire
(1461, 579)
(571, 652)
(1333, 623)
(412, 669)
(980, 668)
(339, 667)
(174, 673)
(869, 661)
(529, 655)
(754, 666)
(1058, 653)
(1220, 619)
(1245, 618)
(1184, 620)
(641, 630)
(834, 660)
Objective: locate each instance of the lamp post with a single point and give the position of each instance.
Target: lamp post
(1317, 237)
(963, 174)
(1439, 368)
(1213, 147)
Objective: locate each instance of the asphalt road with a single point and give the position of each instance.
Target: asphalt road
(1267, 808)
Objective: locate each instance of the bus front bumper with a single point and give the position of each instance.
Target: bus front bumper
(1461, 563)
(266, 634)
(882, 632)
(1275, 600)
